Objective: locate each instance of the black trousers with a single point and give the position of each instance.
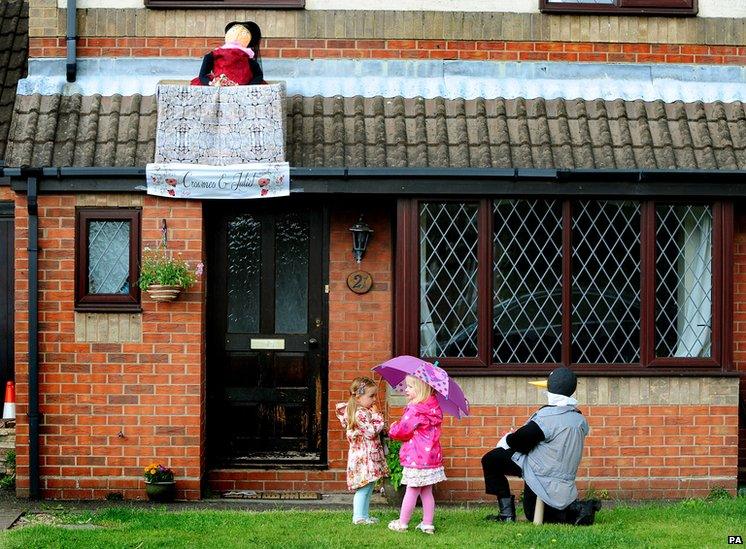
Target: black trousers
(497, 465)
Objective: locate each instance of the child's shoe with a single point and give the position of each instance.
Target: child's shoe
(397, 526)
(369, 520)
(426, 528)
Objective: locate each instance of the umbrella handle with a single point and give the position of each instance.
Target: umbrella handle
(436, 363)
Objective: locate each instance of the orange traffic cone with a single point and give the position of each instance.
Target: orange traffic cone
(9, 406)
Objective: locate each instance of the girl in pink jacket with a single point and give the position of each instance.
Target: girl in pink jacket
(421, 456)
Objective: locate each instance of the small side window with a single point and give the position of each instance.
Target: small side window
(107, 258)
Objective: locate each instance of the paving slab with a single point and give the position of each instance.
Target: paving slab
(8, 517)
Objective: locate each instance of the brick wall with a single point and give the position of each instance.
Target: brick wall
(47, 21)
(649, 438)
(320, 48)
(110, 408)
(632, 452)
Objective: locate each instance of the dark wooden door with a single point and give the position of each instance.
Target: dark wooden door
(6, 294)
(267, 333)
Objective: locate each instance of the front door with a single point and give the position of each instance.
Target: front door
(267, 334)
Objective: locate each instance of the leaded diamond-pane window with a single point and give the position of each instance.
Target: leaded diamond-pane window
(527, 281)
(108, 257)
(606, 282)
(510, 284)
(448, 279)
(683, 291)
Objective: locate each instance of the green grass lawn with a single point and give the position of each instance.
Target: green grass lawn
(690, 524)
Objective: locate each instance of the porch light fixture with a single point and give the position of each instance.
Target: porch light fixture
(360, 236)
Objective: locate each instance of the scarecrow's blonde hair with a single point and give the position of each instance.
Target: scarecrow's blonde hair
(357, 389)
(240, 34)
(422, 390)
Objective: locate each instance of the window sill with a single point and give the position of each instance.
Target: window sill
(616, 371)
(109, 308)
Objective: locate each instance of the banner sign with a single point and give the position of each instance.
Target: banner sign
(236, 181)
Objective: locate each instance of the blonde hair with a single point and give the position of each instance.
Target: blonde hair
(357, 389)
(422, 390)
(240, 34)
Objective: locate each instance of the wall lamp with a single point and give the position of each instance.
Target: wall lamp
(360, 236)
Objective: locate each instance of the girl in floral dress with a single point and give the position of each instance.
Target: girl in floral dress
(421, 456)
(366, 462)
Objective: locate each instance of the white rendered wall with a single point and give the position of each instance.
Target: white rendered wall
(707, 8)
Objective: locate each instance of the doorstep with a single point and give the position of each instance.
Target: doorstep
(255, 500)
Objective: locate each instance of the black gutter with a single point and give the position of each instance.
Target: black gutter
(33, 335)
(434, 181)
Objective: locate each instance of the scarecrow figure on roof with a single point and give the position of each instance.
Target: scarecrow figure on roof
(235, 63)
(546, 453)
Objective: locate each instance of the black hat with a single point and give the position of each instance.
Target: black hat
(562, 381)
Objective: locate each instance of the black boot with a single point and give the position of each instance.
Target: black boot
(583, 512)
(507, 510)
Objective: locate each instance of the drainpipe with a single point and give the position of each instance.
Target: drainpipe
(72, 39)
(33, 336)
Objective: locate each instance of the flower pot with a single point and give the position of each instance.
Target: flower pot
(393, 497)
(159, 292)
(160, 491)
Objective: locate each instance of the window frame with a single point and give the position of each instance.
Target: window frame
(86, 301)
(221, 4)
(624, 7)
(407, 291)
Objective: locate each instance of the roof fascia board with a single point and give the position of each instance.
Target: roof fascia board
(428, 181)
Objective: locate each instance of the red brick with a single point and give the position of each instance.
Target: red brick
(533, 55)
(636, 48)
(579, 47)
(549, 46)
(461, 45)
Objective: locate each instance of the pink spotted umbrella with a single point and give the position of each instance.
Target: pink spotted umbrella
(450, 396)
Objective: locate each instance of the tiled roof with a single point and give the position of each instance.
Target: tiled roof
(397, 132)
(13, 57)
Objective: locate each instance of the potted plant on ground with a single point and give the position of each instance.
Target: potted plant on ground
(393, 490)
(159, 483)
(164, 277)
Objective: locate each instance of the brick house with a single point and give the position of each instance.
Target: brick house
(563, 188)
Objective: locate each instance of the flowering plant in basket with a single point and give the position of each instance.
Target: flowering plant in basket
(155, 472)
(159, 269)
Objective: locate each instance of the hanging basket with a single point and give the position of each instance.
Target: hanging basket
(159, 292)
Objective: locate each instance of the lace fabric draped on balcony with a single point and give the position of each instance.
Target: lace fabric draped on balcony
(220, 126)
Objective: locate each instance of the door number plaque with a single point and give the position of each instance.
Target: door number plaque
(268, 344)
(360, 282)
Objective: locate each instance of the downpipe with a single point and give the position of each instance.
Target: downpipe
(72, 41)
(33, 335)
